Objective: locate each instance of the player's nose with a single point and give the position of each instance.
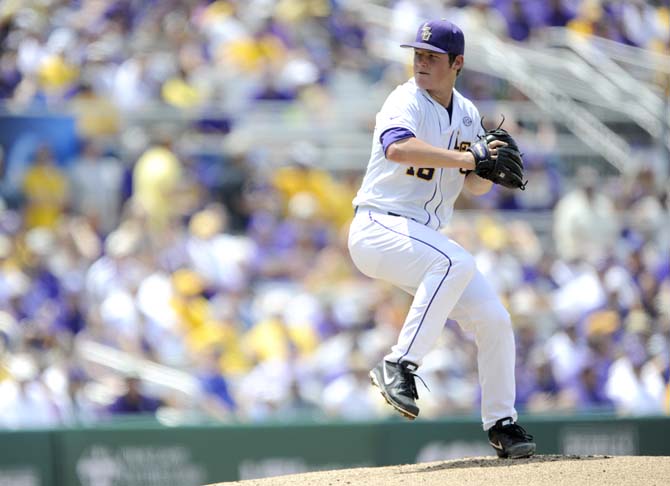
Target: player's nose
(420, 64)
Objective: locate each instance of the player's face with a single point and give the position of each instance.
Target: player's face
(432, 69)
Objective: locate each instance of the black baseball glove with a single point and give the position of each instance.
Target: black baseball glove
(505, 170)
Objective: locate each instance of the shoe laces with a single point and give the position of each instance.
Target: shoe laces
(408, 384)
(518, 431)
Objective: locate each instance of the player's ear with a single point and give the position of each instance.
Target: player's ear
(458, 62)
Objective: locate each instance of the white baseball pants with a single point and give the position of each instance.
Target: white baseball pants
(443, 278)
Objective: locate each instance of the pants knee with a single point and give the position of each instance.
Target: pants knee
(495, 318)
(462, 265)
(468, 266)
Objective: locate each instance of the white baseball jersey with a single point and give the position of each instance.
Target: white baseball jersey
(424, 194)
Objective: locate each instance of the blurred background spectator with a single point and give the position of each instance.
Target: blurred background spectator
(133, 400)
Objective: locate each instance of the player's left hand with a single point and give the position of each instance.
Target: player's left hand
(498, 159)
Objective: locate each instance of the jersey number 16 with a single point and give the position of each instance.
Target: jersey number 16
(423, 173)
(426, 173)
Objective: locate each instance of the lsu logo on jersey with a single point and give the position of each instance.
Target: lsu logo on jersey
(462, 147)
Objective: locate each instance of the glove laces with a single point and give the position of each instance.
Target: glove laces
(481, 122)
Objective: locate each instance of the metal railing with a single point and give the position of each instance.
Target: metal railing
(636, 97)
(124, 363)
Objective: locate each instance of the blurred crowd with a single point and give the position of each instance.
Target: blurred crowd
(126, 54)
(236, 270)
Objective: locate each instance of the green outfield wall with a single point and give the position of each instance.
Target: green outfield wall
(150, 454)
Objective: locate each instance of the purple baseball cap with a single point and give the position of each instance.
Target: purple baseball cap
(439, 36)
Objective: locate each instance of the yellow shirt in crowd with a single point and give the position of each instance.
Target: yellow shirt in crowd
(46, 190)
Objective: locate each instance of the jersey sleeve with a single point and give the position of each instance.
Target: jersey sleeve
(393, 135)
(401, 110)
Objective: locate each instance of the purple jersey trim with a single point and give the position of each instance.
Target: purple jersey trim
(394, 134)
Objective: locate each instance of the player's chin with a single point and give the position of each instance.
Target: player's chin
(423, 81)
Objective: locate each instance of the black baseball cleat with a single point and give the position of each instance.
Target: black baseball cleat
(396, 383)
(511, 440)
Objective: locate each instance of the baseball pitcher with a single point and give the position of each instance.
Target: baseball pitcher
(428, 145)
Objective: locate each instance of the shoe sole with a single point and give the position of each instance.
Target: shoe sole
(402, 411)
(520, 451)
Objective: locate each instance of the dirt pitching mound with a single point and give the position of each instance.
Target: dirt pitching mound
(539, 470)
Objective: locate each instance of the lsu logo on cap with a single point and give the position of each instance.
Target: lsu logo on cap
(426, 33)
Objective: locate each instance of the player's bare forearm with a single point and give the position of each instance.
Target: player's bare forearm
(476, 185)
(412, 151)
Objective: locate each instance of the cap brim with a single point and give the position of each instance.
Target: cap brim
(424, 45)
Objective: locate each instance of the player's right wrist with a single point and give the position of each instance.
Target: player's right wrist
(470, 162)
